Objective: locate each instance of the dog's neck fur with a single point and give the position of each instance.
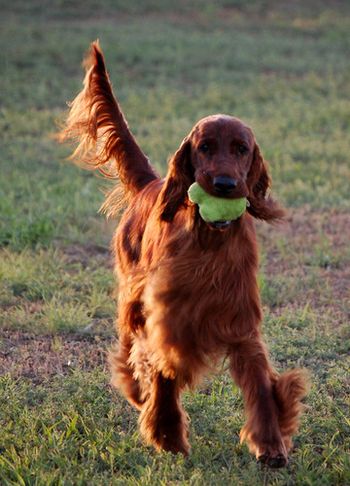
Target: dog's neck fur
(207, 238)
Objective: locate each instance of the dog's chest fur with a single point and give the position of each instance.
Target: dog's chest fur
(190, 270)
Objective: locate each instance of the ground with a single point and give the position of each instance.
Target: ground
(283, 67)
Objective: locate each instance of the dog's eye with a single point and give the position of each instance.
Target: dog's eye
(204, 147)
(242, 149)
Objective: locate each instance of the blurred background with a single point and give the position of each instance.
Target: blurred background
(281, 66)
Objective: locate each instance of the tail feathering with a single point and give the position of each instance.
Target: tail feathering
(96, 122)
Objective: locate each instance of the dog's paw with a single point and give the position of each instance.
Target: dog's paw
(165, 431)
(171, 433)
(274, 457)
(174, 442)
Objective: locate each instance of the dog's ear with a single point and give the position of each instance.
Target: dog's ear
(179, 178)
(262, 206)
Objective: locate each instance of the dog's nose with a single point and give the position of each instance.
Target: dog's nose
(224, 184)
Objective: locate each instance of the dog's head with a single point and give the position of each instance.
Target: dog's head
(222, 155)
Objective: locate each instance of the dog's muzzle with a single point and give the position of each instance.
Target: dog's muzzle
(219, 225)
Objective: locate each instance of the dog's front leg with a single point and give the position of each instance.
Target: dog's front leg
(163, 421)
(253, 373)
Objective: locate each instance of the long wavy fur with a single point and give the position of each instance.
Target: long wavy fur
(187, 294)
(97, 124)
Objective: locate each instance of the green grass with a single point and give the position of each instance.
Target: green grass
(283, 67)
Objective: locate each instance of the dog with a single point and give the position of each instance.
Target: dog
(188, 294)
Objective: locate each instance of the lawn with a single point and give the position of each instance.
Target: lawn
(281, 66)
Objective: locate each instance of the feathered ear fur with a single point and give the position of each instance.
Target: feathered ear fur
(179, 178)
(262, 206)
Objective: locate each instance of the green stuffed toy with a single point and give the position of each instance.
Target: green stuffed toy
(213, 208)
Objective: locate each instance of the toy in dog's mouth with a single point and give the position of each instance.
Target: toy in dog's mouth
(217, 212)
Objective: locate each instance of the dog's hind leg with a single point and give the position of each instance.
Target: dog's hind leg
(123, 373)
(126, 376)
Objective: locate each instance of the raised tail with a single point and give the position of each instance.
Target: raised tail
(96, 122)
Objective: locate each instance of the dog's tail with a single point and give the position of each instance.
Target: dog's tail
(96, 122)
(291, 387)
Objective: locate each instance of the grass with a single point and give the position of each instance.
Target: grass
(281, 66)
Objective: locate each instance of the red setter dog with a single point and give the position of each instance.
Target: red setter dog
(188, 293)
